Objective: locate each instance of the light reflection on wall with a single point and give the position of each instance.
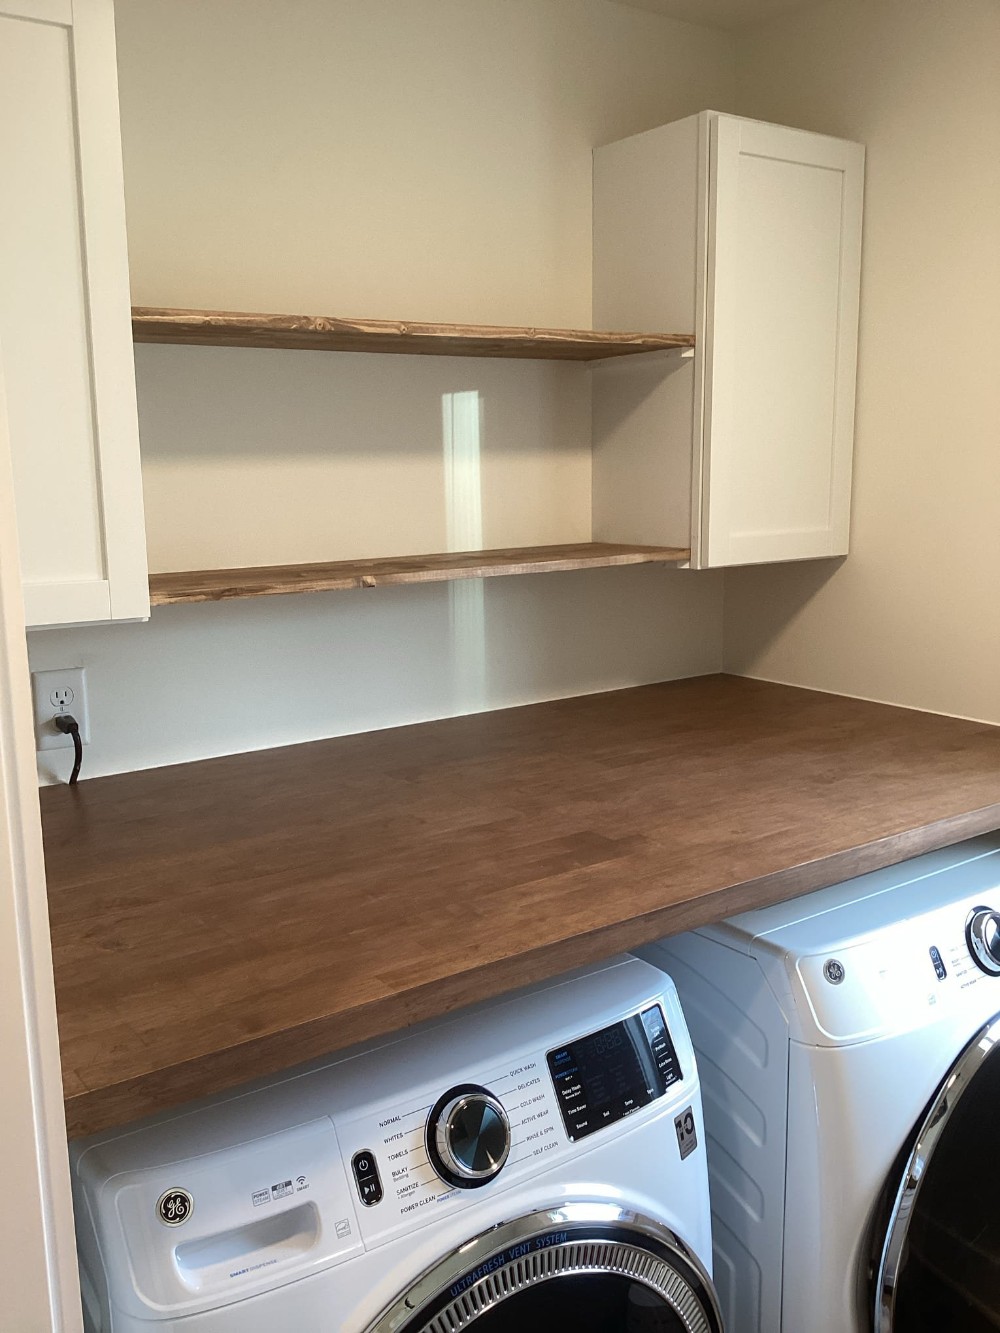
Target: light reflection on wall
(462, 431)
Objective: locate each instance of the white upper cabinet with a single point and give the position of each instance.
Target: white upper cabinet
(751, 234)
(65, 332)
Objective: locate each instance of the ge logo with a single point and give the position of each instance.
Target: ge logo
(174, 1207)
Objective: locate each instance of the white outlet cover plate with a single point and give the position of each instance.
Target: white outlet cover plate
(47, 687)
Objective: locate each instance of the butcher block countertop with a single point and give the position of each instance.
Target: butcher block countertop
(216, 921)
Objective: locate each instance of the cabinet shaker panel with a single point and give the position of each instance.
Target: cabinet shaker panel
(65, 333)
(781, 336)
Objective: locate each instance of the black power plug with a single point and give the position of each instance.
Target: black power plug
(68, 725)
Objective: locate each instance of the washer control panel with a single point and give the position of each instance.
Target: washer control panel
(505, 1124)
(607, 1074)
(430, 1153)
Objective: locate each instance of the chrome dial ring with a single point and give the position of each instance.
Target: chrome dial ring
(468, 1136)
(982, 934)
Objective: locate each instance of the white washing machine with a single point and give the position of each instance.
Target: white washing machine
(847, 1049)
(536, 1163)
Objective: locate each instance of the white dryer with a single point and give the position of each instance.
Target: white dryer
(847, 1044)
(536, 1163)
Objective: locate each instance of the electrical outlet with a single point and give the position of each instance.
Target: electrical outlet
(56, 692)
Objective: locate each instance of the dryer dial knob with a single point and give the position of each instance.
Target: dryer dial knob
(468, 1137)
(982, 932)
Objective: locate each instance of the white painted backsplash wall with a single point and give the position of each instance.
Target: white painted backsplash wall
(221, 678)
(255, 456)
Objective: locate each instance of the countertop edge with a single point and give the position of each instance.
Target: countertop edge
(91, 1111)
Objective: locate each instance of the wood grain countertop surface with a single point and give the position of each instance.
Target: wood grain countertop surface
(213, 922)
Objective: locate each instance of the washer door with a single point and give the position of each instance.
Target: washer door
(592, 1268)
(940, 1266)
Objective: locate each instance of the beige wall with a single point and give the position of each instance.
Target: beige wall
(424, 159)
(411, 159)
(913, 615)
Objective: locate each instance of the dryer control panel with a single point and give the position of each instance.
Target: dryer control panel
(924, 966)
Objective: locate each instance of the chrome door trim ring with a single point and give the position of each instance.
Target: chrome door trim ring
(956, 1083)
(627, 1237)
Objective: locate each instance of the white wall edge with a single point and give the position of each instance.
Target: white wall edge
(38, 1270)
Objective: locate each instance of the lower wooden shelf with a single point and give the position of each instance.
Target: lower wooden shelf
(216, 585)
(225, 328)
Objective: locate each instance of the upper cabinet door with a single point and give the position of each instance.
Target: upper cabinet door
(65, 330)
(780, 342)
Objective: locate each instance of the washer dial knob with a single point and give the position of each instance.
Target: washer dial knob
(468, 1137)
(982, 933)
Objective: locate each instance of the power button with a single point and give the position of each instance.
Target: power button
(940, 971)
(366, 1178)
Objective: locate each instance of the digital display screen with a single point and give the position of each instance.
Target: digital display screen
(607, 1074)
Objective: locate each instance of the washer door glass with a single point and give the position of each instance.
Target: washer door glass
(586, 1303)
(556, 1270)
(941, 1260)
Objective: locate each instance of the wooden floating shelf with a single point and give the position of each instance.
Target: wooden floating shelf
(217, 585)
(220, 328)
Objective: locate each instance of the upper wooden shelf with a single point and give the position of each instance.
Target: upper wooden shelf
(217, 585)
(220, 328)
(214, 922)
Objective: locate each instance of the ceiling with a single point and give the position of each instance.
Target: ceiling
(732, 14)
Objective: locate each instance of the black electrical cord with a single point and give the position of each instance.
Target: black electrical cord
(68, 725)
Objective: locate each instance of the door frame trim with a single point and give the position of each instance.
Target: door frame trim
(38, 1269)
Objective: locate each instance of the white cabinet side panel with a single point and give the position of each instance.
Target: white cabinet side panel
(102, 190)
(645, 230)
(648, 254)
(641, 421)
(43, 311)
(783, 302)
